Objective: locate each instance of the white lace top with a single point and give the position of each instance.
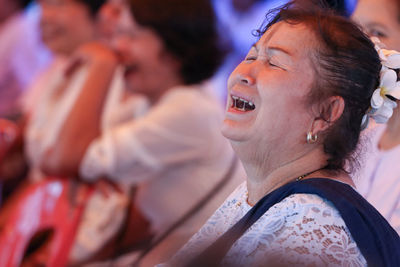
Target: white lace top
(302, 229)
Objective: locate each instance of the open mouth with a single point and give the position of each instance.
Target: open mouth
(241, 104)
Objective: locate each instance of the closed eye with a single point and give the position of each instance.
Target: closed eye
(376, 29)
(274, 65)
(252, 55)
(251, 58)
(377, 33)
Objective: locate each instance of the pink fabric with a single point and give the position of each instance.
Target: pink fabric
(22, 57)
(379, 178)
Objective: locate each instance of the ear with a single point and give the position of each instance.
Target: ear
(329, 112)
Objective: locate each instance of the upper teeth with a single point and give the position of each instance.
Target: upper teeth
(242, 104)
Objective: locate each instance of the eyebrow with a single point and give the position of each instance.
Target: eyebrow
(376, 24)
(277, 48)
(281, 49)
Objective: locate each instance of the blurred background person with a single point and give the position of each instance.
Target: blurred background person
(173, 153)
(65, 25)
(62, 36)
(54, 91)
(380, 19)
(379, 177)
(22, 54)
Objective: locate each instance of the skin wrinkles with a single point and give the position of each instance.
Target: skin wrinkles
(270, 140)
(265, 84)
(274, 55)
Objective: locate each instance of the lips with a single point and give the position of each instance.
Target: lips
(241, 104)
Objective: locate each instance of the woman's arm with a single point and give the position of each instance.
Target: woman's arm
(171, 134)
(83, 122)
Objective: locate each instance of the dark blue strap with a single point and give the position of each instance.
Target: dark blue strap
(377, 240)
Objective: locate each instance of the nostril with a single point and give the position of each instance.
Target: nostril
(245, 81)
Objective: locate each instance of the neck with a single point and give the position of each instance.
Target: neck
(260, 182)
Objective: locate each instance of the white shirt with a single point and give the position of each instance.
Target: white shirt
(302, 229)
(175, 152)
(49, 103)
(53, 95)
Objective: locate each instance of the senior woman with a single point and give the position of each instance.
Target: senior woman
(294, 115)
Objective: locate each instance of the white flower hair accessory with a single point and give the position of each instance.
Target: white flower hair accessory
(384, 98)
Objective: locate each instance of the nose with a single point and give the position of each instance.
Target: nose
(246, 73)
(247, 80)
(122, 46)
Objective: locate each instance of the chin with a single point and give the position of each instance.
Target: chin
(233, 131)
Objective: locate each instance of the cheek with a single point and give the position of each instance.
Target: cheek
(138, 52)
(234, 76)
(288, 125)
(393, 39)
(285, 103)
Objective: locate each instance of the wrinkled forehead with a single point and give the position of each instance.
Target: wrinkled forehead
(296, 38)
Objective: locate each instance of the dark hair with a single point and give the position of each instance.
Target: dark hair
(24, 3)
(397, 4)
(346, 64)
(93, 5)
(188, 31)
(339, 6)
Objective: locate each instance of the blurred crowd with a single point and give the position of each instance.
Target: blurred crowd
(110, 115)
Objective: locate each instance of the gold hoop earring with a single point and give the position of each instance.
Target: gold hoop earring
(311, 139)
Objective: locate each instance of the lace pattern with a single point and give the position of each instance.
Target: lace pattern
(302, 229)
